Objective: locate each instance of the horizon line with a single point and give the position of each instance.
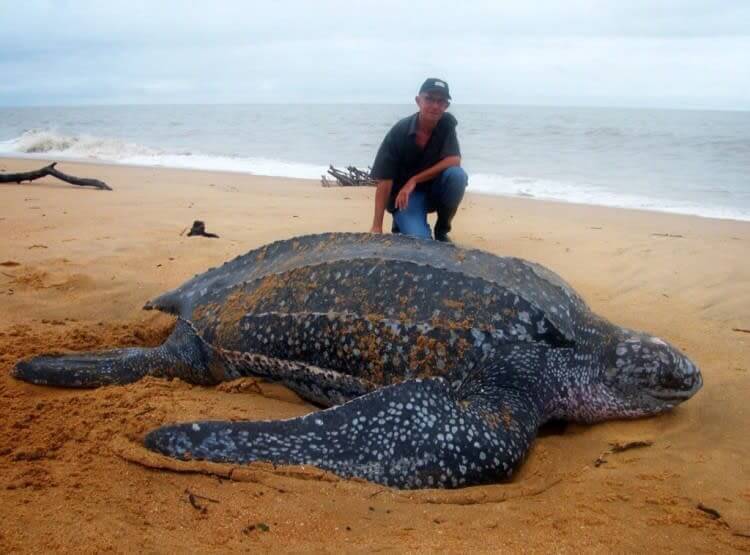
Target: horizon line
(364, 103)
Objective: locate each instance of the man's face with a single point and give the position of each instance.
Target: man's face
(432, 105)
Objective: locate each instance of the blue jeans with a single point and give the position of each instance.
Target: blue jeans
(443, 197)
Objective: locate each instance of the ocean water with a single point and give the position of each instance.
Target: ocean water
(691, 162)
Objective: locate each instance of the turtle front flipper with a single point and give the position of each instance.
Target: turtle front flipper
(182, 355)
(415, 434)
(84, 370)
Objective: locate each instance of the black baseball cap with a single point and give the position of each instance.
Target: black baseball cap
(435, 85)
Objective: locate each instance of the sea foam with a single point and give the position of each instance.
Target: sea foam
(46, 143)
(50, 143)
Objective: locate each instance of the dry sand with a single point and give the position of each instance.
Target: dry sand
(78, 264)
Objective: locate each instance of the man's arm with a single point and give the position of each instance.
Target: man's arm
(437, 169)
(381, 200)
(402, 200)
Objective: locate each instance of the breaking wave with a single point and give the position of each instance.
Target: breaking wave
(47, 143)
(582, 193)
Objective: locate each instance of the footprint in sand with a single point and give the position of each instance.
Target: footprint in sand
(31, 279)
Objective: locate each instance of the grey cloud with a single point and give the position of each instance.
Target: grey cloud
(175, 21)
(668, 53)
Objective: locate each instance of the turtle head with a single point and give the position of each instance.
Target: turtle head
(647, 375)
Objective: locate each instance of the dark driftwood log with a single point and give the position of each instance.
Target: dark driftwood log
(50, 170)
(353, 177)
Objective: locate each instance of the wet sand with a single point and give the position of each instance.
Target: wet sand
(77, 265)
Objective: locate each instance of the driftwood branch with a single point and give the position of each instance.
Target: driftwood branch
(618, 447)
(50, 170)
(352, 177)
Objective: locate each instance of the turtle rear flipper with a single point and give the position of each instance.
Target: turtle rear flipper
(182, 355)
(414, 434)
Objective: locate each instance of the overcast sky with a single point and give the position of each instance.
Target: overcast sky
(660, 53)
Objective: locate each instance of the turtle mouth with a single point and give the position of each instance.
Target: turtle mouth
(673, 397)
(687, 386)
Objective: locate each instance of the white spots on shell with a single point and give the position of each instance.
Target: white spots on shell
(479, 337)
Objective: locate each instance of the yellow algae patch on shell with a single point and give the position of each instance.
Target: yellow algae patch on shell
(225, 317)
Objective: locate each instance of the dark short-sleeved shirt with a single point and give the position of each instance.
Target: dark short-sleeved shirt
(399, 158)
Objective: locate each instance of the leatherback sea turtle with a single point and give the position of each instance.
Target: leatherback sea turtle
(443, 362)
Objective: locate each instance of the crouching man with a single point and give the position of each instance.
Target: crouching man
(418, 168)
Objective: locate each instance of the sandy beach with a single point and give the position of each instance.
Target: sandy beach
(77, 265)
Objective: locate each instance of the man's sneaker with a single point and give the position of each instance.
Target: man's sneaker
(443, 237)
